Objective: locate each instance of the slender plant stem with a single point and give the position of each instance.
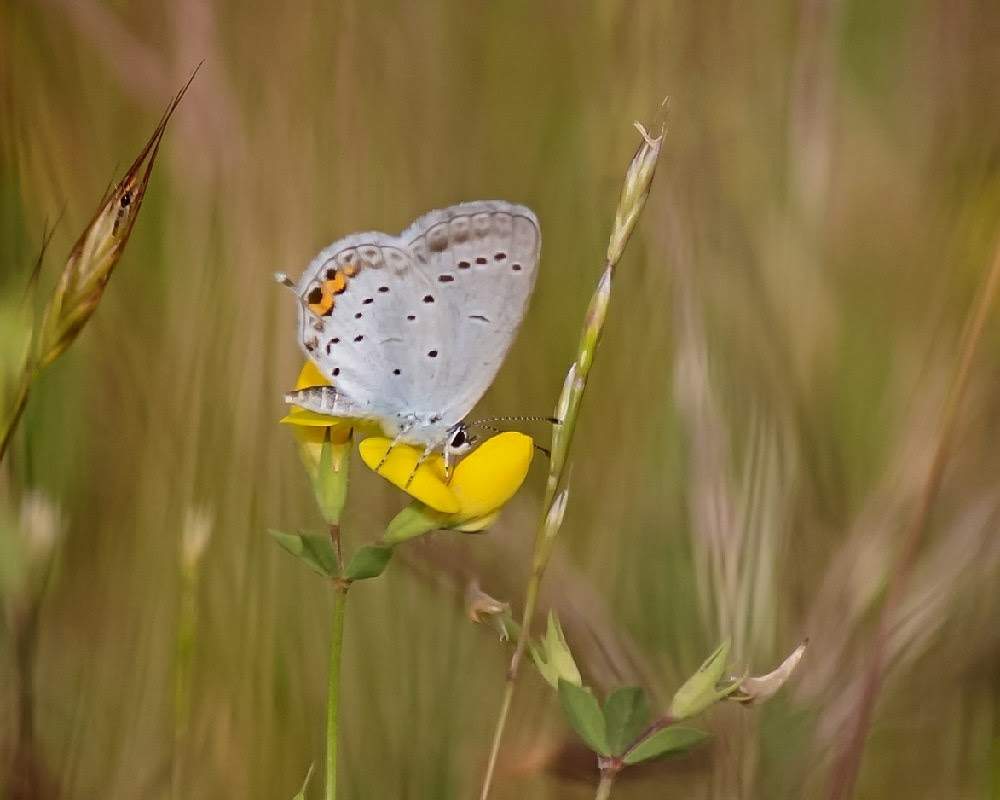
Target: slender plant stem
(508, 696)
(657, 725)
(530, 603)
(638, 177)
(848, 764)
(337, 546)
(604, 787)
(17, 409)
(333, 689)
(184, 645)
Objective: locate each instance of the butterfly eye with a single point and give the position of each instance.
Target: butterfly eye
(461, 441)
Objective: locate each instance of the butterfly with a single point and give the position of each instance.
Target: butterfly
(411, 329)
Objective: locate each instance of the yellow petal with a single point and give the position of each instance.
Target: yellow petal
(491, 474)
(428, 484)
(310, 376)
(308, 419)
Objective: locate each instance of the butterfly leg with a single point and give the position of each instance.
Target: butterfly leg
(423, 457)
(396, 440)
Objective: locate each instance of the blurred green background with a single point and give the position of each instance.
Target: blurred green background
(753, 445)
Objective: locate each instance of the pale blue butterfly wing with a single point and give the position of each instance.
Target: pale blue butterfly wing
(424, 319)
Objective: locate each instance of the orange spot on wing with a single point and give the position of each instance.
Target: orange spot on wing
(335, 285)
(331, 287)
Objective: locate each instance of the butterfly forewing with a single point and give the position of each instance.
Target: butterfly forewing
(416, 326)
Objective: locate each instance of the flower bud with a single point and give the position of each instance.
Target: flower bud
(553, 658)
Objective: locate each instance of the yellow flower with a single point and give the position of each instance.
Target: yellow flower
(314, 432)
(480, 484)
(428, 485)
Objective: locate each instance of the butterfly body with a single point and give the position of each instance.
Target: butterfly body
(411, 329)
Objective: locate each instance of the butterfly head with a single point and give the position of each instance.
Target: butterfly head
(458, 442)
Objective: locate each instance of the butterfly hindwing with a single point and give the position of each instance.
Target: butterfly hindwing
(483, 257)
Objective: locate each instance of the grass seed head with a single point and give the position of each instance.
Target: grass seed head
(635, 190)
(96, 253)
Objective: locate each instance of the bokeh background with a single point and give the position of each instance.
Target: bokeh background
(753, 446)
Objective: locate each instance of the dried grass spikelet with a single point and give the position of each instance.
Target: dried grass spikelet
(96, 253)
(81, 285)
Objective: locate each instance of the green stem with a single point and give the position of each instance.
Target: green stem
(530, 602)
(630, 205)
(604, 787)
(184, 645)
(333, 689)
(508, 696)
(20, 402)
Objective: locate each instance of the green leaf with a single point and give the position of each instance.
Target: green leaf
(369, 562)
(305, 784)
(414, 520)
(626, 714)
(699, 691)
(665, 741)
(585, 715)
(315, 550)
(330, 480)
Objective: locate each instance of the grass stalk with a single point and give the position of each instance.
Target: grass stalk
(194, 539)
(87, 271)
(848, 764)
(635, 190)
(17, 410)
(183, 658)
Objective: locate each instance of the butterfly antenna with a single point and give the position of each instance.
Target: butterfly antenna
(492, 429)
(550, 420)
(284, 280)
